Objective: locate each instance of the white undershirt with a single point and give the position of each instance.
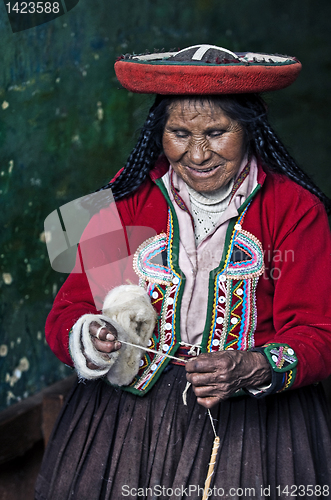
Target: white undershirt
(206, 209)
(196, 261)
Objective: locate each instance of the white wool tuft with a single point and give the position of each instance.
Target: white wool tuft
(130, 307)
(129, 310)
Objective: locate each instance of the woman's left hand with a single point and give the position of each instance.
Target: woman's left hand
(215, 376)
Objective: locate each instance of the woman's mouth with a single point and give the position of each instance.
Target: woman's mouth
(202, 171)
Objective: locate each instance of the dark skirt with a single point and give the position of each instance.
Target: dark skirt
(110, 444)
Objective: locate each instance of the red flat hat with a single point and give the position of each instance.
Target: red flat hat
(205, 69)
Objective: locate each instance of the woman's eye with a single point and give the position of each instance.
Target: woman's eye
(216, 133)
(181, 133)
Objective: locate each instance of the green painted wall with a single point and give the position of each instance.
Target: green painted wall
(66, 128)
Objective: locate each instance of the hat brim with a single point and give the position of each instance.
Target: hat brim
(202, 78)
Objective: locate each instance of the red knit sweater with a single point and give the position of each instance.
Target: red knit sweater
(292, 297)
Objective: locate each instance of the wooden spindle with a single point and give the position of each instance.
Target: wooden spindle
(211, 467)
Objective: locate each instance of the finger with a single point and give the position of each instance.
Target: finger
(103, 332)
(205, 363)
(208, 397)
(199, 364)
(220, 391)
(98, 331)
(208, 402)
(91, 365)
(213, 361)
(106, 346)
(203, 379)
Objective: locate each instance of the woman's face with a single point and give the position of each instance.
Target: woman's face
(203, 145)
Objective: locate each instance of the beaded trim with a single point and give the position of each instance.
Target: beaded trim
(234, 310)
(281, 357)
(165, 342)
(165, 289)
(240, 179)
(178, 199)
(289, 379)
(234, 313)
(143, 263)
(283, 361)
(251, 267)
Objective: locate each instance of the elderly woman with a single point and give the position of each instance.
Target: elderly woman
(236, 272)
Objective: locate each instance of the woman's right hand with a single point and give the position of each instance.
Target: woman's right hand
(106, 343)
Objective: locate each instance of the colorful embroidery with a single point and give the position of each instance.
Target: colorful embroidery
(235, 316)
(162, 283)
(288, 379)
(148, 261)
(165, 341)
(281, 357)
(178, 199)
(283, 362)
(233, 312)
(249, 246)
(240, 180)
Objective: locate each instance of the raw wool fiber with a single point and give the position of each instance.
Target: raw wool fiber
(130, 307)
(129, 310)
(82, 348)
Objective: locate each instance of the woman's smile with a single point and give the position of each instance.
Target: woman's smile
(204, 146)
(202, 171)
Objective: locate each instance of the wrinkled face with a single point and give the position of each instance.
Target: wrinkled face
(203, 145)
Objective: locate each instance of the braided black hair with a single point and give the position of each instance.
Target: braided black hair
(248, 109)
(145, 153)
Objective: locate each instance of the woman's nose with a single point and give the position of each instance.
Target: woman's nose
(198, 152)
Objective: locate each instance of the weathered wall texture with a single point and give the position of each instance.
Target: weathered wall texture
(66, 128)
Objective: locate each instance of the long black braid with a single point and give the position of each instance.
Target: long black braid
(145, 153)
(248, 109)
(251, 111)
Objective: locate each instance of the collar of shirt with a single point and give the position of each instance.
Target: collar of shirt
(175, 185)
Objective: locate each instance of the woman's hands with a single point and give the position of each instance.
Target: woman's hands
(106, 343)
(215, 376)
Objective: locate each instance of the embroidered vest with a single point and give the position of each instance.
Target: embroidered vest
(231, 316)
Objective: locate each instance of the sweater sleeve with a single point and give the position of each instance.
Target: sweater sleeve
(73, 300)
(104, 261)
(300, 351)
(103, 254)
